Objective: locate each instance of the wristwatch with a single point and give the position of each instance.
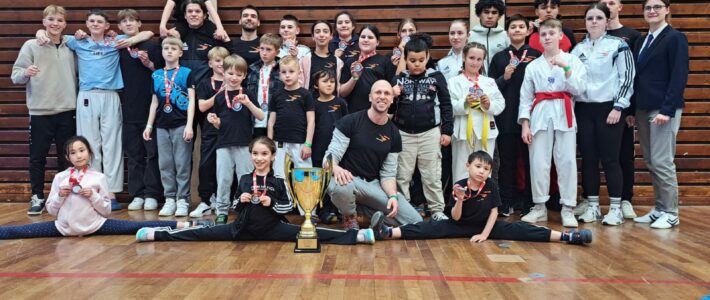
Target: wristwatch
(618, 108)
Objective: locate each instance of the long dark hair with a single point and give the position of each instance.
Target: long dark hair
(74, 139)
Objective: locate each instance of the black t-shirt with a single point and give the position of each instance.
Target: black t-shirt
(507, 121)
(236, 124)
(629, 35)
(290, 108)
(352, 50)
(248, 50)
(327, 113)
(259, 218)
(321, 63)
(475, 211)
(204, 91)
(137, 81)
(376, 67)
(197, 42)
(369, 146)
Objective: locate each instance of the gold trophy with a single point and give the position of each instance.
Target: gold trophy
(307, 186)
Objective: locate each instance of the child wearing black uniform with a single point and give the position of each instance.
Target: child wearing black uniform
(329, 109)
(474, 215)
(291, 119)
(262, 202)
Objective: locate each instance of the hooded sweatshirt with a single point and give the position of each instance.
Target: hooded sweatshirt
(495, 40)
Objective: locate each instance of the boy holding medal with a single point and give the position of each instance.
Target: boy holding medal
(548, 123)
(508, 70)
(289, 30)
(172, 110)
(263, 78)
(233, 115)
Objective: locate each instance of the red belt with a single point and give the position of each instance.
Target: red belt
(567, 97)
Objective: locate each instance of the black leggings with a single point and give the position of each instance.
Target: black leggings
(626, 159)
(279, 232)
(49, 229)
(502, 230)
(511, 147)
(597, 141)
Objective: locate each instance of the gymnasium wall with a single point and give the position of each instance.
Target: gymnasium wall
(20, 19)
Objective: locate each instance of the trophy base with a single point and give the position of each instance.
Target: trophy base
(307, 245)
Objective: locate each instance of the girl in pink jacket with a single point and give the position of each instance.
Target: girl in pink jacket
(79, 199)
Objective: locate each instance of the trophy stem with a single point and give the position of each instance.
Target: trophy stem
(307, 229)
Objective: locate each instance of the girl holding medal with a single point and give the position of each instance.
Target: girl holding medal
(610, 76)
(79, 198)
(476, 101)
(360, 73)
(344, 44)
(474, 215)
(263, 201)
(405, 28)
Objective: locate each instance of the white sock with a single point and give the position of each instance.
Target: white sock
(593, 200)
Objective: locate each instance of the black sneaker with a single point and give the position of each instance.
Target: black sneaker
(377, 224)
(221, 220)
(580, 236)
(36, 206)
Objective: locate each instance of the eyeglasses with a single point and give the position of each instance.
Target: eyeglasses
(655, 8)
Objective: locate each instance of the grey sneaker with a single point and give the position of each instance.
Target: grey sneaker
(36, 206)
(439, 216)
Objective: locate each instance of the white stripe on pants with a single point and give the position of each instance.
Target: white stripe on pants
(175, 162)
(460, 150)
(422, 149)
(100, 123)
(561, 146)
(658, 144)
(295, 151)
(232, 162)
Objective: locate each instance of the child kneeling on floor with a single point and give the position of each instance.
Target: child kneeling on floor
(474, 215)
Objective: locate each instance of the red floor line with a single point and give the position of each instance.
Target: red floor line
(261, 276)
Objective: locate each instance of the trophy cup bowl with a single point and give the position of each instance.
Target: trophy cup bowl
(307, 187)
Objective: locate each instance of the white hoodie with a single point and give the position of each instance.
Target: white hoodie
(495, 39)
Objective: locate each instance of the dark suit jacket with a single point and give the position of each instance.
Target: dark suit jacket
(662, 75)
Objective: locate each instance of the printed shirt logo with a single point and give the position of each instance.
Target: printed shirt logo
(333, 108)
(383, 138)
(329, 65)
(254, 50)
(372, 66)
(292, 98)
(203, 47)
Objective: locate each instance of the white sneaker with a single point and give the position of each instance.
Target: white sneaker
(581, 207)
(591, 214)
(666, 221)
(439, 216)
(535, 215)
(182, 208)
(136, 204)
(568, 219)
(150, 204)
(627, 209)
(650, 217)
(614, 217)
(201, 210)
(168, 208)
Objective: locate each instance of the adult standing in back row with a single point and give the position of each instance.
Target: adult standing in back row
(661, 77)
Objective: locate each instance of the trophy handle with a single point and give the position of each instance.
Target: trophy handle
(288, 168)
(327, 176)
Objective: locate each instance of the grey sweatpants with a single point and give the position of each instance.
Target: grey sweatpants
(367, 197)
(658, 147)
(98, 119)
(232, 163)
(175, 162)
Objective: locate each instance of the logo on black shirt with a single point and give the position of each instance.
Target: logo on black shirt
(254, 50)
(203, 47)
(383, 138)
(329, 65)
(333, 108)
(292, 98)
(372, 66)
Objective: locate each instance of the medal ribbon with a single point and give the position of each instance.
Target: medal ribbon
(255, 187)
(512, 56)
(470, 191)
(74, 181)
(469, 126)
(169, 85)
(230, 103)
(265, 82)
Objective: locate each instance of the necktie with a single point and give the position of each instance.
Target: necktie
(642, 55)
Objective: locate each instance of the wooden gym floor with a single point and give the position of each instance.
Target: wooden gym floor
(626, 262)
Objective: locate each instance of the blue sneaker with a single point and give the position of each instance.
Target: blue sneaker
(369, 236)
(115, 205)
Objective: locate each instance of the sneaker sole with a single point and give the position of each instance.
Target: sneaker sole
(135, 208)
(34, 213)
(206, 212)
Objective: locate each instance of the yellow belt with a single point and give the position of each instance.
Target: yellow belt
(469, 126)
